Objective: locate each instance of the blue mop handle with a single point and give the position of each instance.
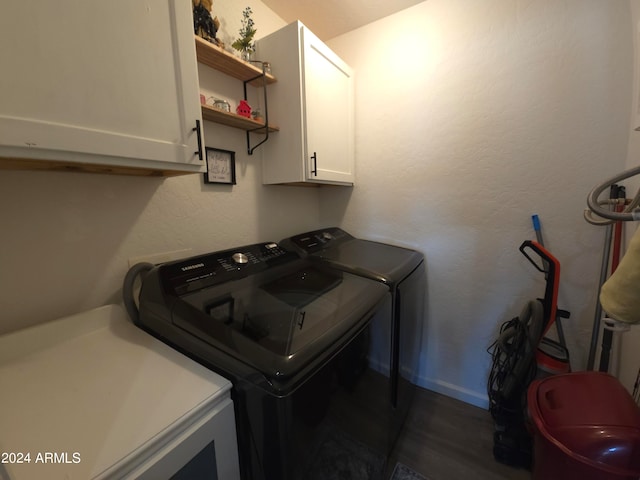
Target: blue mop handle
(536, 227)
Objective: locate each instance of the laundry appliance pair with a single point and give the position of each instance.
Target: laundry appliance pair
(319, 334)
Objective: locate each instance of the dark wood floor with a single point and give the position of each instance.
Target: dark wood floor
(446, 439)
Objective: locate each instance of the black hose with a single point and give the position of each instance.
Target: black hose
(513, 358)
(127, 288)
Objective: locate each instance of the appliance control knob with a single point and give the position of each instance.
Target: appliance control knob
(240, 258)
(327, 236)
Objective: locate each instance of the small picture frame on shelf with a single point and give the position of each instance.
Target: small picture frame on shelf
(221, 166)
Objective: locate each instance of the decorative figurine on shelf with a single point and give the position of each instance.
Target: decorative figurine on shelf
(244, 110)
(245, 44)
(203, 25)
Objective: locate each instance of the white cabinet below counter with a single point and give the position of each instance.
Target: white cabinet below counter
(99, 86)
(313, 102)
(92, 396)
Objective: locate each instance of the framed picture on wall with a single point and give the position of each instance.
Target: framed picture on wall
(221, 166)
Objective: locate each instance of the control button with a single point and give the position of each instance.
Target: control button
(271, 246)
(327, 236)
(240, 258)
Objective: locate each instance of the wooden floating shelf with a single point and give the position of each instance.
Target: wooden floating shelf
(227, 63)
(232, 120)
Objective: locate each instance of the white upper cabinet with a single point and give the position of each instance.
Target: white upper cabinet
(100, 86)
(313, 102)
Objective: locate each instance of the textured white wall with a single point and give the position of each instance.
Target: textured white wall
(66, 237)
(471, 117)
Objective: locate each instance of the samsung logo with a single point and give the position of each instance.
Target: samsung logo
(192, 267)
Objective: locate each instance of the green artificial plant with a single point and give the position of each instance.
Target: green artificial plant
(247, 31)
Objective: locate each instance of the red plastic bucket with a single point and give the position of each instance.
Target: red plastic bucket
(586, 426)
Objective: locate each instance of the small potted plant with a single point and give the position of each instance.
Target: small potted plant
(245, 44)
(257, 115)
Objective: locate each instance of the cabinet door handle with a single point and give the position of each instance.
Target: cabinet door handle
(198, 131)
(314, 170)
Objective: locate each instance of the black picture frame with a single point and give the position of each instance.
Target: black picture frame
(221, 166)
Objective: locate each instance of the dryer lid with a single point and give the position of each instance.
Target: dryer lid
(379, 261)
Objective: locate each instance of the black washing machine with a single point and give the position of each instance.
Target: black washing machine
(397, 337)
(293, 337)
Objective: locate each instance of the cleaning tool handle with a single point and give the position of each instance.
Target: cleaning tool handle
(536, 227)
(536, 223)
(541, 251)
(551, 268)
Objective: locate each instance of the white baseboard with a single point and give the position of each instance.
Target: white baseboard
(455, 391)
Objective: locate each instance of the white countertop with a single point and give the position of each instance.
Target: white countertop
(95, 388)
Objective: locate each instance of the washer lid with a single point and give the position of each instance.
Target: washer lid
(280, 320)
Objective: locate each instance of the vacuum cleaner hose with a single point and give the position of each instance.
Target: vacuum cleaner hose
(127, 288)
(630, 213)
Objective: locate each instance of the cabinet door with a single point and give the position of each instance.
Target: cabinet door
(99, 82)
(328, 94)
